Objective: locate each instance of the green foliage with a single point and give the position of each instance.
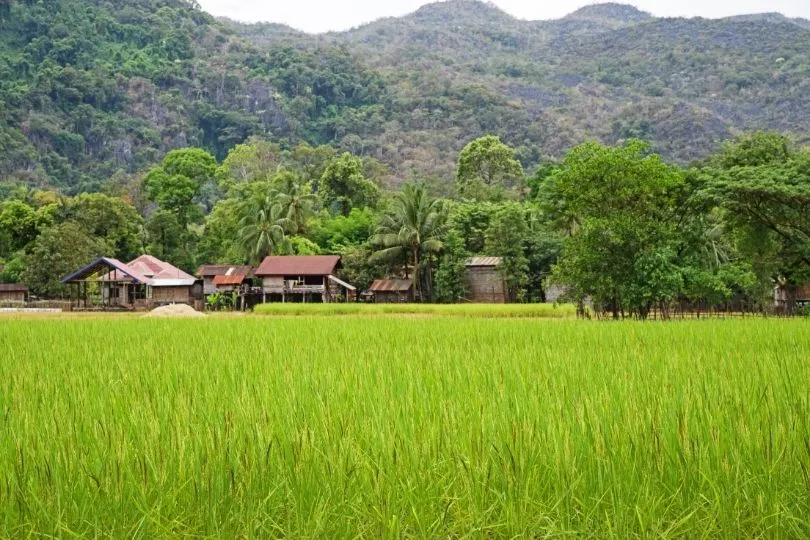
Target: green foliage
(451, 272)
(109, 220)
(55, 254)
(487, 169)
(343, 186)
(176, 184)
(506, 238)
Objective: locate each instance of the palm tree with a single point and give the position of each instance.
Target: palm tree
(297, 207)
(262, 227)
(411, 230)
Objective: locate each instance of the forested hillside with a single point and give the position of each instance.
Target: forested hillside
(97, 89)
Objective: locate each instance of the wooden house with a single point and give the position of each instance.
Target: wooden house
(484, 282)
(392, 291)
(143, 283)
(224, 277)
(13, 293)
(303, 279)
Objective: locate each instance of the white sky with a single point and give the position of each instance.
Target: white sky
(325, 15)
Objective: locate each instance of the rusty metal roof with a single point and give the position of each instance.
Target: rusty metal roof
(13, 287)
(228, 280)
(224, 270)
(316, 265)
(391, 285)
(115, 270)
(483, 261)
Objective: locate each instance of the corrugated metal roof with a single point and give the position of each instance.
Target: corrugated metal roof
(159, 270)
(391, 285)
(228, 280)
(209, 270)
(483, 261)
(13, 287)
(118, 270)
(316, 265)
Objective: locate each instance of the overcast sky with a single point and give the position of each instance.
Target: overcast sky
(324, 15)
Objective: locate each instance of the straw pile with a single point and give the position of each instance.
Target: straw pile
(174, 310)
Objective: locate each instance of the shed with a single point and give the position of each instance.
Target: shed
(484, 282)
(13, 293)
(392, 291)
(210, 272)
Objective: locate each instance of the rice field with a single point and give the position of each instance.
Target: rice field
(391, 427)
(498, 311)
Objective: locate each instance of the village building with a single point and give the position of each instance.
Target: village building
(224, 277)
(392, 291)
(303, 279)
(13, 293)
(145, 282)
(784, 297)
(484, 282)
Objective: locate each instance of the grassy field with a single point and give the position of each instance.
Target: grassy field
(404, 427)
(497, 311)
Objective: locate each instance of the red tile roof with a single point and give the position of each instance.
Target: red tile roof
(317, 265)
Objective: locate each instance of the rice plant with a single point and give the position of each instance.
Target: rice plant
(389, 427)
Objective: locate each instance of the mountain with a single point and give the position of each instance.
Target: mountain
(91, 89)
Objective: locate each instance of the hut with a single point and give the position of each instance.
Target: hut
(392, 291)
(223, 277)
(484, 282)
(303, 279)
(145, 282)
(13, 293)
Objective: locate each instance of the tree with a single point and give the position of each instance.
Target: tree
(452, 268)
(175, 184)
(620, 212)
(506, 238)
(19, 225)
(763, 188)
(262, 228)
(412, 230)
(169, 240)
(255, 160)
(298, 206)
(108, 219)
(343, 186)
(55, 254)
(487, 168)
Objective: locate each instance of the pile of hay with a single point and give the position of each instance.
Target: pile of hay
(174, 310)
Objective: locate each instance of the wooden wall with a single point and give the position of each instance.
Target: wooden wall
(12, 296)
(171, 294)
(485, 285)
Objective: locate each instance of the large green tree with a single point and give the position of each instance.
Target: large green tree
(55, 254)
(176, 184)
(343, 186)
(487, 169)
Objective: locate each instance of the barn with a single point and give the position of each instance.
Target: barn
(392, 291)
(484, 282)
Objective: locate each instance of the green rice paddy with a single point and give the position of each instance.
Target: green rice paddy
(390, 427)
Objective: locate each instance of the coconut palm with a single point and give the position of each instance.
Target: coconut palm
(411, 230)
(263, 227)
(297, 207)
